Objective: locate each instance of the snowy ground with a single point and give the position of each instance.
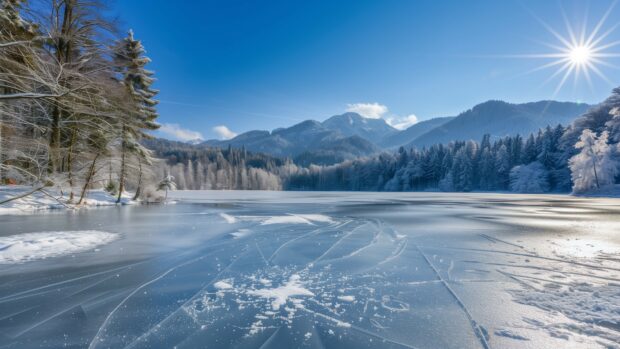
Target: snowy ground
(324, 270)
(55, 200)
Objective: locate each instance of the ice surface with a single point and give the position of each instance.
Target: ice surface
(32, 246)
(338, 270)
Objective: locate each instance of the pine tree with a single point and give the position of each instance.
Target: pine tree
(502, 166)
(141, 113)
(529, 150)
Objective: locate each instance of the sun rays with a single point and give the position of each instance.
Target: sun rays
(580, 53)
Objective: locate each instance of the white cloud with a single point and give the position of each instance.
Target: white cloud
(402, 122)
(368, 110)
(224, 132)
(378, 111)
(178, 133)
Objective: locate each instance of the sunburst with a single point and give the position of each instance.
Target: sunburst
(580, 53)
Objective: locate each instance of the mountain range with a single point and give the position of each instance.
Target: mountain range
(350, 135)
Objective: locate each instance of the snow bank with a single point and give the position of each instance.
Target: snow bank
(34, 246)
(55, 200)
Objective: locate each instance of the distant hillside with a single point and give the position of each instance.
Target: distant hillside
(312, 138)
(413, 132)
(500, 119)
(353, 124)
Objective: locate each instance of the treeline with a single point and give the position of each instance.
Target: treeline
(205, 168)
(457, 166)
(76, 98)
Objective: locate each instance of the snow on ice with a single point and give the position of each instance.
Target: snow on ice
(32, 246)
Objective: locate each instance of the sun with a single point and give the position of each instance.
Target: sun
(580, 55)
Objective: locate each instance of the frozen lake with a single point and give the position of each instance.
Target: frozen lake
(316, 270)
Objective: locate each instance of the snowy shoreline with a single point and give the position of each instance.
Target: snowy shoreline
(53, 199)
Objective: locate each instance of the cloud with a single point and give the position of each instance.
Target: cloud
(178, 133)
(402, 122)
(224, 132)
(368, 110)
(378, 111)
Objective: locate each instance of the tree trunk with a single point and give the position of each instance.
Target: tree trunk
(91, 173)
(54, 141)
(138, 190)
(595, 174)
(70, 162)
(121, 184)
(1, 148)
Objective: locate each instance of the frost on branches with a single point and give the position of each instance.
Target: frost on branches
(531, 178)
(595, 166)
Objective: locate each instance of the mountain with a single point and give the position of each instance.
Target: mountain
(310, 137)
(500, 119)
(349, 136)
(405, 136)
(336, 151)
(353, 124)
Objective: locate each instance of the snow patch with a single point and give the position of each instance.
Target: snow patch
(34, 246)
(298, 219)
(286, 220)
(316, 218)
(346, 298)
(223, 285)
(240, 233)
(280, 295)
(228, 218)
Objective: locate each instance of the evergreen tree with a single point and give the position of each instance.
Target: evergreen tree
(141, 113)
(502, 166)
(529, 150)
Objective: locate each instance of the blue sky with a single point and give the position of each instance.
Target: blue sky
(265, 64)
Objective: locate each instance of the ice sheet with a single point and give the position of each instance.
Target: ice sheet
(370, 271)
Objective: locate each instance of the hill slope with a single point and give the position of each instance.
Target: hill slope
(500, 119)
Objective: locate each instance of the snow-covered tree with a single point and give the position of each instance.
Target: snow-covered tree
(141, 113)
(531, 178)
(167, 183)
(502, 166)
(595, 165)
